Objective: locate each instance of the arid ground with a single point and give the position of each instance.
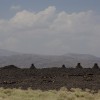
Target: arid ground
(50, 78)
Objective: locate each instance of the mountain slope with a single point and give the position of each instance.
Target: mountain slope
(4, 52)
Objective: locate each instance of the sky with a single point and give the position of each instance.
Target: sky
(51, 27)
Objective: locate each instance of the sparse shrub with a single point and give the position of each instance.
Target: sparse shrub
(95, 66)
(79, 65)
(32, 66)
(62, 94)
(63, 66)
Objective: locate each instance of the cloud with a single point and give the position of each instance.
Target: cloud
(15, 7)
(51, 32)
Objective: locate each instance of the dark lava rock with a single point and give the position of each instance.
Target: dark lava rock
(50, 78)
(10, 67)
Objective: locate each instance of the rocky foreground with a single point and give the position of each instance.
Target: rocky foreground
(50, 78)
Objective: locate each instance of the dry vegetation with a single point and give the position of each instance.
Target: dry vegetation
(62, 94)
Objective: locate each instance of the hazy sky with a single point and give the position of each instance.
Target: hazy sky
(50, 26)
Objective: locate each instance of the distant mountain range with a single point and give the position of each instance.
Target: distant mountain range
(41, 61)
(4, 52)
